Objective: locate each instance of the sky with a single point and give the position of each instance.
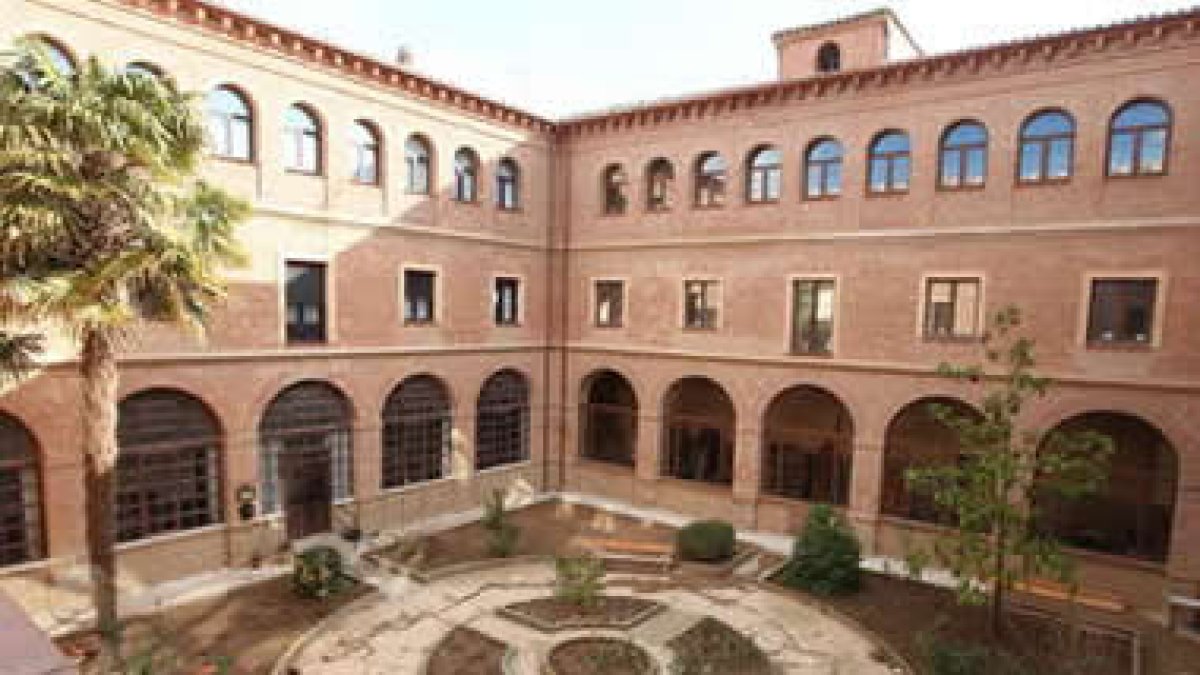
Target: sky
(563, 57)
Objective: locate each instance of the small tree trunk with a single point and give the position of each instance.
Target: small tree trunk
(98, 369)
(997, 619)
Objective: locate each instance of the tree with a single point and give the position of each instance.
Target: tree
(992, 490)
(105, 228)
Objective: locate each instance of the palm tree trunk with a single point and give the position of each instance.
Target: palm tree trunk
(98, 369)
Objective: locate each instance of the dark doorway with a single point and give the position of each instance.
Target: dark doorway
(306, 475)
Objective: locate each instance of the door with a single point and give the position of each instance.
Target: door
(307, 477)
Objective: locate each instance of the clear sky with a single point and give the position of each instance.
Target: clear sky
(560, 57)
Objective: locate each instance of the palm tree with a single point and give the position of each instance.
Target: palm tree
(105, 227)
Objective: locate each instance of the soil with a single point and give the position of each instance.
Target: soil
(245, 631)
(467, 652)
(600, 656)
(711, 646)
(607, 612)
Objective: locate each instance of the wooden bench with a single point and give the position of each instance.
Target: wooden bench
(1087, 597)
(626, 550)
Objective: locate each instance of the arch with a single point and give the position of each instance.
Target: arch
(808, 446)
(418, 165)
(829, 58)
(230, 115)
(146, 69)
(416, 432)
(660, 178)
(60, 55)
(168, 475)
(303, 140)
(711, 174)
(963, 155)
(699, 422)
(1047, 147)
(466, 176)
(823, 168)
(508, 184)
(1133, 515)
(616, 187)
(366, 144)
(889, 163)
(915, 438)
(1139, 138)
(22, 535)
(764, 174)
(608, 417)
(502, 420)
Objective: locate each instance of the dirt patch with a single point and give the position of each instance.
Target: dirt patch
(467, 652)
(600, 656)
(607, 612)
(245, 631)
(711, 646)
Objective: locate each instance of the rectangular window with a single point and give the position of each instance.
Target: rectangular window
(812, 316)
(701, 304)
(610, 304)
(304, 302)
(505, 301)
(420, 296)
(952, 308)
(1121, 311)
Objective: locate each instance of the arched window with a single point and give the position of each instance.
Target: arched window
(916, 438)
(1138, 142)
(168, 476)
(1047, 148)
(608, 416)
(305, 458)
(963, 156)
(1132, 514)
(889, 163)
(365, 149)
(20, 495)
(60, 57)
(301, 140)
(823, 169)
(230, 124)
(698, 423)
(508, 184)
(502, 421)
(418, 166)
(764, 175)
(616, 186)
(809, 441)
(829, 58)
(466, 176)
(144, 69)
(711, 173)
(660, 180)
(416, 432)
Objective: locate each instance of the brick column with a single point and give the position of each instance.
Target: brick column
(747, 475)
(865, 485)
(649, 456)
(1183, 566)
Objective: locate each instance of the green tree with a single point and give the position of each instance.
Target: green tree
(991, 491)
(106, 227)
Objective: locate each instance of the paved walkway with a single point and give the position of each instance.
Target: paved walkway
(395, 631)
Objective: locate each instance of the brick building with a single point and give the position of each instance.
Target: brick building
(729, 304)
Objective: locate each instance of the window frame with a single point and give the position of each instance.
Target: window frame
(298, 135)
(622, 302)
(717, 312)
(793, 282)
(1139, 133)
(963, 151)
(227, 127)
(763, 174)
(375, 147)
(1157, 316)
(653, 176)
(508, 184)
(890, 158)
(327, 313)
(704, 182)
(466, 175)
(33, 545)
(410, 164)
(518, 317)
(1045, 143)
(614, 190)
(828, 58)
(823, 166)
(435, 303)
(924, 317)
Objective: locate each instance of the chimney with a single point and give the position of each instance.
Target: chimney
(860, 41)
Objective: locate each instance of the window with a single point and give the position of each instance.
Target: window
(823, 169)
(660, 180)
(1047, 148)
(502, 421)
(952, 308)
(416, 432)
(365, 148)
(608, 418)
(615, 185)
(1121, 311)
(20, 495)
(829, 58)
(417, 166)
(305, 302)
(1138, 140)
(507, 185)
(808, 442)
(230, 125)
(466, 176)
(610, 304)
(764, 175)
(60, 57)
(701, 304)
(420, 296)
(699, 425)
(889, 163)
(144, 69)
(964, 156)
(301, 141)
(506, 299)
(812, 316)
(710, 180)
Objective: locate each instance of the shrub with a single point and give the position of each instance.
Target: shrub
(502, 535)
(705, 541)
(580, 579)
(943, 655)
(318, 573)
(826, 556)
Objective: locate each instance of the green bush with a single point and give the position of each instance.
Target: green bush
(943, 655)
(580, 579)
(826, 556)
(318, 573)
(705, 541)
(502, 535)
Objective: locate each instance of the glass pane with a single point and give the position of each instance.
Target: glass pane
(1145, 113)
(773, 185)
(1060, 158)
(879, 175)
(1154, 151)
(833, 178)
(976, 166)
(951, 161)
(1031, 161)
(900, 168)
(812, 186)
(1048, 124)
(966, 310)
(1120, 154)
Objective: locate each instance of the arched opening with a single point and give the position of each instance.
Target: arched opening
(608, 418)
(823, 169)
(1139, 139)
(168, 476)
(808, 442)
(302, 142)
(1047, 151)
(698, 424)
(829, 58)
(508, 184)
(710, 172)
(916, 438)
(889, 163)
(502, 421)
(230, 124)
(20, 495)
(660, 179)
(466, 176)
(1132, 514)
(764, 174)
(366, 150)
(305, 456)
(418, 165)
(416, 432)
(616, 185)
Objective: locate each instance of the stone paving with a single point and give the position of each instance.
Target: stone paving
(394, 632)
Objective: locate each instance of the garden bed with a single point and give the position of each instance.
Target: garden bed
(711, 646)
(467, 652)
(555, 614)
(600, 656)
